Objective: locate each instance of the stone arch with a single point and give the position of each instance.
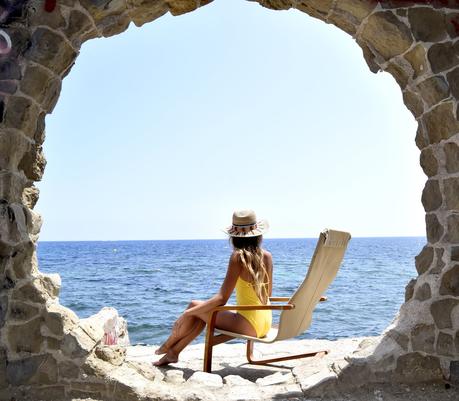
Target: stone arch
(47, 351)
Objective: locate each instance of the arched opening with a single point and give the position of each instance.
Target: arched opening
(296, 127)
(416, 44)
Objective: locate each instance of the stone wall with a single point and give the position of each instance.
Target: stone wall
(47, 351)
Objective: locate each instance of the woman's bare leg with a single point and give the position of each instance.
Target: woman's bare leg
(225, 320)
(173, 352)
(186, 326)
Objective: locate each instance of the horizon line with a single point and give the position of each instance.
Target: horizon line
(219, 239)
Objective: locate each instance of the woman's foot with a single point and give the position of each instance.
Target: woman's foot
(170, 357)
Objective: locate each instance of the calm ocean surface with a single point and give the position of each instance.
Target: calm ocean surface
(151, 282)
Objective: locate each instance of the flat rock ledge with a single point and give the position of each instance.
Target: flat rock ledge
(232, 378)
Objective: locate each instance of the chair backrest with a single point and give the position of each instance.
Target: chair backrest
(324, 265)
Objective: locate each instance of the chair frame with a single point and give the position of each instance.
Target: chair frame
(212, 339)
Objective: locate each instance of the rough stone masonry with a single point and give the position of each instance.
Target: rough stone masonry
(47, 352)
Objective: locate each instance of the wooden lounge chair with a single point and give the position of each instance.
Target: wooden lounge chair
(297, 310)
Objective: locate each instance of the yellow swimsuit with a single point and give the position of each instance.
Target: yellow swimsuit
(259, 319)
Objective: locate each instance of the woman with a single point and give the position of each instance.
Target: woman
(250, 272)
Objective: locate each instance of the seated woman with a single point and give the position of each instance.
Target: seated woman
(250, 271)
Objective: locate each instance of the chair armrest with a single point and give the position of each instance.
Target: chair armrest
(323, 298)
(253, 307)
(279, 299)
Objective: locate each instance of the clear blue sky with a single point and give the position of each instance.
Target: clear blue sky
(162, 131)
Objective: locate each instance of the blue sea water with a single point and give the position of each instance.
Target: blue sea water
(152, 282)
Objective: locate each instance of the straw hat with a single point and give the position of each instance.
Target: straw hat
(245, 224)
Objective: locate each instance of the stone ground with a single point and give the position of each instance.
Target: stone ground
(233, 379)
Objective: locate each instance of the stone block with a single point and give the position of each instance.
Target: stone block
(417, 59)
(409, 289)
(30, 196)
(441, 312)
(440, 122)
(386, 34)
(20, 371)
(26, 337)
(9, 69)
(142, 11)
(452, 24)
(401, 339)
(355, 9)
(37, 16)
(429, 162)
(3, 364)
(453, 228)
(433, 90)
(423, 337)
(427, 24)
(51, 50)
(175, 376)
(453, 81)
(77, 344)
(275, 378)
(416, 368)
(399, 73)
(33, 163)
(413, 102)
(455, 253)
(68, 370)
(451, 191)
(21, 114)
(421, 138)
(21, 311)
(443, 56)
(434, 228)
(3, 310)
(11, 186)
(103, 8)
(51, 283)
(79, 28)
(235, 380)
(450, 282)
(59, 319)
(445, 344)
(111, 353)
(431, 196)
(439, 264)
(8, 87)
(451, 150)
(206, 379)
(39, 84)
(423, 292)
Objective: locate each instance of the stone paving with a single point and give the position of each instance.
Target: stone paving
(233, 378)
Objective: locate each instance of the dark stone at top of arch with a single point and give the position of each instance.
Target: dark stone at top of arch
(443, 56)
(427, 24)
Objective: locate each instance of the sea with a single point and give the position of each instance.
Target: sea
(151, 282)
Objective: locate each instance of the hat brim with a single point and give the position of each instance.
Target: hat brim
(262, 227)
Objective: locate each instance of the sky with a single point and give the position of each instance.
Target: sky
(163, 131)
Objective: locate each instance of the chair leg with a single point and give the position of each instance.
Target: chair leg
(250, 359)
(208, 350)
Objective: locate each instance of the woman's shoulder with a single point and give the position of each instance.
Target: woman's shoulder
(267, 254)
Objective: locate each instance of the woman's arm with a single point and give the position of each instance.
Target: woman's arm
(269, 268)
(232, 274)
